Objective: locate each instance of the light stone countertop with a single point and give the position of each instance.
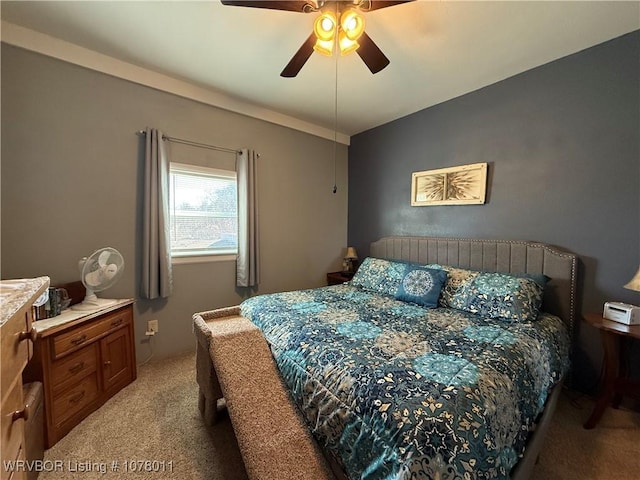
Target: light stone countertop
(14, 294)
(69, 314)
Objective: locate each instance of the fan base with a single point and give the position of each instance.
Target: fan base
(89, 304)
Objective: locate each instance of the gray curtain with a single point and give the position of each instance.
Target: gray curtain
(156, 246)
(247, 263)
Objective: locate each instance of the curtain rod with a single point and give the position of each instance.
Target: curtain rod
(191, 143)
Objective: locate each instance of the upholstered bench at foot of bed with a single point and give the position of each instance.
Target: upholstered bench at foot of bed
(210, 398)
(234, 365)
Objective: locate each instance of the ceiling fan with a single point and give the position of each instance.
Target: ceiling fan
(339, 23)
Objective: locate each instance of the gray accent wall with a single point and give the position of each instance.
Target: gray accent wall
(71, 183)
(563, 146)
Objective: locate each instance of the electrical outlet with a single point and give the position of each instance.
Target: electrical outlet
(152, 327)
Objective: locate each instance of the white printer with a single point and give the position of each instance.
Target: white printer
(622, 312)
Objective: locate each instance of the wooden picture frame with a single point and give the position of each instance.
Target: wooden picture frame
(461, 185)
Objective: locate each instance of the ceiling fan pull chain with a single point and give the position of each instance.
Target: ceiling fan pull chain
(335, 128)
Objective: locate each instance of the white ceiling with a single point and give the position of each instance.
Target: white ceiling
(438, 49)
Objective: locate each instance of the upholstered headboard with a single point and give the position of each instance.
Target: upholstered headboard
(507, 256)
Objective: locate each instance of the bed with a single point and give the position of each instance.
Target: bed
(442, 358)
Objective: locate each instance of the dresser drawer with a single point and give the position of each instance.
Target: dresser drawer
(15, 348)
(72, 401)
(17, 473)
(12, 430)
(73, 367)
(85, 333)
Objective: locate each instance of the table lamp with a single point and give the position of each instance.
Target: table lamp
(634, 283)
(348, 264)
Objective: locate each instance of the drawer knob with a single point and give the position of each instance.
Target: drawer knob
(77, 367)
(79, 340)
(18, 414)
(115, 323)
(107, 363)
(28, 335)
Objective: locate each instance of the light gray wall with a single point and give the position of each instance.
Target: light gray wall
(71, 176)
(563, 146)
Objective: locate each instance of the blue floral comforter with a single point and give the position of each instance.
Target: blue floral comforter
(397, 391)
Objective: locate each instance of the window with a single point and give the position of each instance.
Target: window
(203, 211)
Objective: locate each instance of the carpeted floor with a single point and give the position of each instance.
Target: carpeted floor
(156, 420)
(608, 452)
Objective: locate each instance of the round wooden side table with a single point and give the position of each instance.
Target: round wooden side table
(615, 383)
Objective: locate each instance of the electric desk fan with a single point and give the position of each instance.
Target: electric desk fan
(99, 271)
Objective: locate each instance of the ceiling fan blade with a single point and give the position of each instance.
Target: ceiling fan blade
(289, 5)
(370, 5)
(370, 54)
(300, 58)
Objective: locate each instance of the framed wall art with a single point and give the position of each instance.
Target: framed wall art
(462, 185)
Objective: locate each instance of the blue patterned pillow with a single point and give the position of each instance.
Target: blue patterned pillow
(421, 285)
(453, 294)
(379, 275)
(500, 296)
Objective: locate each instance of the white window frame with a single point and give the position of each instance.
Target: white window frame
(201, 255)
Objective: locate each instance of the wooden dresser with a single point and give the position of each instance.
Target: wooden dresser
(82, 360)
(16, 332)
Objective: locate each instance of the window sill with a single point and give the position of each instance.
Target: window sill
(203, 258)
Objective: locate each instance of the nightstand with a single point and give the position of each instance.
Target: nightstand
(335, 278)
(615, 382)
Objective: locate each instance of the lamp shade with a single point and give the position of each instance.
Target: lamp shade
(325, 26)
(325, 47)
(346, 44)
(634, 283)
(325, 29)
(352, 24)
(351, 253)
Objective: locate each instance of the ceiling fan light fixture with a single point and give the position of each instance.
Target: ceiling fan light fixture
(344, 27)
(324, 29)
(347, 45)
(352, 24)
(325, 47)
(325, 26)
